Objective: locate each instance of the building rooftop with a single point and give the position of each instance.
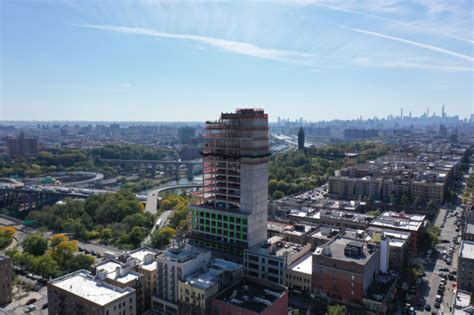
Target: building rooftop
(146, 258)
(254, 295)
(304, 264)
(84, 285)
(117, 272)
(463, 299)
(336, 249)
(345, 215)
(467, 250)
(394, 220)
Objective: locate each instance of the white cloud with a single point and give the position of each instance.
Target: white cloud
(417, 44)
(227, 45)
(409, 64)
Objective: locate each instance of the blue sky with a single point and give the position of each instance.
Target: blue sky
(153, 60)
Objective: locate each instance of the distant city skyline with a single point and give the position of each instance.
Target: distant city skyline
(185, 61)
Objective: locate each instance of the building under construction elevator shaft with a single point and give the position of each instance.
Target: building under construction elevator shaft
(232, 214)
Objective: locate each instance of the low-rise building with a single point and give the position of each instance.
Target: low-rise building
(298, 274)
(462, 303)
(197, 289)
(252, 296)
(143, 260)
(5, 280)
(270, 262)
(466, 266)
(120, 275)
(414, 224)
(344, 269)
(174, 265)
(80, 293)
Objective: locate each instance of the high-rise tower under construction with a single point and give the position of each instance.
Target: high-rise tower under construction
(232, 214)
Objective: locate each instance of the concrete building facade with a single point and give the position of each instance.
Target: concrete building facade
(5, 280)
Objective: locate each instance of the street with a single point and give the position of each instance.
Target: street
(433, 264)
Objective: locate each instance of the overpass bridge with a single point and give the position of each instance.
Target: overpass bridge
(151, 166)
(28, 199)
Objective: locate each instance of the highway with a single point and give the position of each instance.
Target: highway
(162, 221)
(152, 196)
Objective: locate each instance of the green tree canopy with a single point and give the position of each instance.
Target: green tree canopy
(35, 244)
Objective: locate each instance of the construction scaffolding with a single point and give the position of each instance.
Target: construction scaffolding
(236, 138)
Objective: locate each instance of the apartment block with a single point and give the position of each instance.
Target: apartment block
(466, 266)
(5, 280)
(270, 261)
(80, 293)
(197, 289)
(174, 265)
(344, 269)
(414, 224)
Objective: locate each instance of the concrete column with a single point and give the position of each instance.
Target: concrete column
(176, 166)
(190, 172)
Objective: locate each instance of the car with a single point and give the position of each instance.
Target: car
(437, 304)
(30, 301)
(29, 309)
(444, 269)
(93, 253)
(421, 302)
(438, 298)
(451, 277)
(37, 287)
(45, 306)
(454, 272)
(418, 281)
(445, 241)
(427, 307)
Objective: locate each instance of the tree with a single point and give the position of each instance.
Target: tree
(417, 202)
(404, 199)
(431, 204)
(162, 237)
(106, 234)
(336, 309)
(35, 244)
(431, 235)
(278, 195)
(45, 265)
(77, 262)
(136, 236)
(7, 231)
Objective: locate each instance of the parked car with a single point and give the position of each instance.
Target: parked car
(29, 309)
(427, 307)
(30, 301)
(45, 306)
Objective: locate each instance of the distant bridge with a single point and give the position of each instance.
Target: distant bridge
(151, 165)
(28, 199)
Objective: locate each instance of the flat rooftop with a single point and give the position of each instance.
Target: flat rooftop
(467, 250)
(337, 247)
(117, 272)
(141, 254)
(304, 264)
(84, 285)
(399, 221)
(463, 299)
(251, 295)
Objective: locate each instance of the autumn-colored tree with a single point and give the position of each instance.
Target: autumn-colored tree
(7, 231)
